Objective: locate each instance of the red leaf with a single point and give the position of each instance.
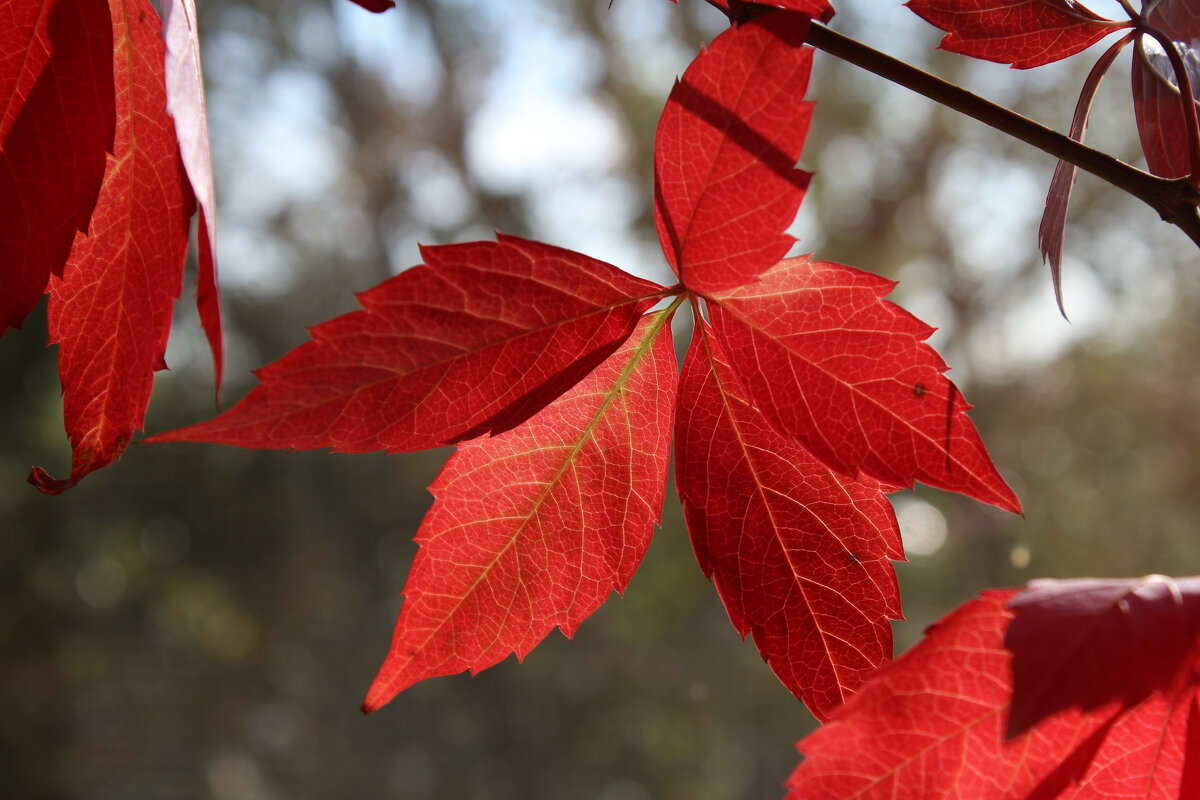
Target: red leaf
(533, 528)
(1085, 643)
(52, 159)
(799, 554)
(728, 141)
(111, 311)
(1156, 99)
(474, 341)
(1023, 33)
(1058, 198)
(185, 102)
(930, 726)
(831, 362)
(820, 9)
(378, 6)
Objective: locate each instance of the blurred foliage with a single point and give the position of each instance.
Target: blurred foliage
(203, 622)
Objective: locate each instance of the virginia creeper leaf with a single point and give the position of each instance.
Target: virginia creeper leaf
(931, 724)
(533, 528)
(185, 102)
(1157, 102)
(52, 159)
(1087, 642)
(24, 51)
(111, 311)
(831, 362)
(726, 187)
(1058, 198)
(475, 340)
(1023, 33)
(799, 554)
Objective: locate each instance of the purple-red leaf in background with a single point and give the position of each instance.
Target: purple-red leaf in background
(726, 187)
(1023, 33)
(110, 313)
(799, 554)
(534, 528)
(931, 725)
(1058, 198)
(831, 362)
(185, 102)
(58, 124)
(1157, 103)
(378, 6)
(475, 340)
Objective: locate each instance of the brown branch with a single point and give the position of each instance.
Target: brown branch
(1175, 201)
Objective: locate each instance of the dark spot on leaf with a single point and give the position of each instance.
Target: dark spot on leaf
(919, 389)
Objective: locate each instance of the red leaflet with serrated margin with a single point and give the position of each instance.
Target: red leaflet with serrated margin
(1023, 33)
(726, 187)
(799, 554)
(1157, 104)
(832, 363)
(535, 527)
(111, 311)
(475, 340)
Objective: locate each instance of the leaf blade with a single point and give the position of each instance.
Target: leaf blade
(474, 341)
(799, 554)
(726, 187)
(832, 363)
(532, 529)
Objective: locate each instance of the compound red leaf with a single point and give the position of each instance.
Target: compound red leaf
(535, 527)
(1088, 642)
(832, 363)
(111, 311)
(1023, 33)
(1157, 102)
(799, 554)
(475, 340)
(726, 187)
(185, 102)
(59, 128)
(931, 724)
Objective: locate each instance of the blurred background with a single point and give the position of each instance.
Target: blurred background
(199, 621)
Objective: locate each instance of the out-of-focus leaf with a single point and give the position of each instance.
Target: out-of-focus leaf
(1157, 102)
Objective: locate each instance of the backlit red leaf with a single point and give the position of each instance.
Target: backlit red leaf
(799, 553)
(1156, 97)
(535, 527)
(931, 724)
(475, 340)
(1023, 33)
(831, 362)
(111, 311)
(185, 102)
(59, 128)
(726, 187)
